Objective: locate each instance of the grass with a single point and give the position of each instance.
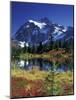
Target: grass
(34, 82)
(40, 83)
(52, 55)
(31, 56)
(29, 75)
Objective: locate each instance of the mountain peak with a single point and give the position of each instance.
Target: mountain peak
(39, 24)
(45, 19)
(34, 32)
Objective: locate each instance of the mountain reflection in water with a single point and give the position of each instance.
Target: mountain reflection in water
(45, 65)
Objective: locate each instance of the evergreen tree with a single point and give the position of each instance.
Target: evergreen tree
(40, 48)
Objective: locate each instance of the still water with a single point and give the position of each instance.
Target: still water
(42, 64)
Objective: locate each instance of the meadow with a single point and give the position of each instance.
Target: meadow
(42, 74)
(35, 82)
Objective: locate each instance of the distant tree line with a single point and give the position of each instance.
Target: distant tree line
(66, 45)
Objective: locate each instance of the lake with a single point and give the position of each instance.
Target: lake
(43, 64)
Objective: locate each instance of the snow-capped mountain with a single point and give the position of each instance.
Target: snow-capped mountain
(34, 32)
(40, 25)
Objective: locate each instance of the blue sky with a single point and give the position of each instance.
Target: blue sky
(21, 12)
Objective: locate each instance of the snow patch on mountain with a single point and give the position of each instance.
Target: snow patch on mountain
(69, 38)
(56, 29)
(21, 44)
(65, 29)
(27, 26)
(58, 37)
(40, 25)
